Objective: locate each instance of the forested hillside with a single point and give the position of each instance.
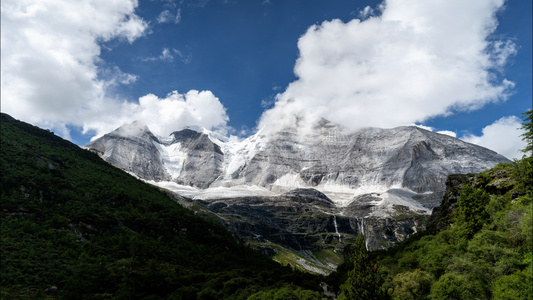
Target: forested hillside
(75, 227)
(479, 244)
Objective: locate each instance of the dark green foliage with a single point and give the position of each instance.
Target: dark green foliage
(286, 293)
(516, 286)
(411, 285)
(472, 209)
(527, 126)
(364, 281)
(457, 286)
(73, 221)
(522, 173)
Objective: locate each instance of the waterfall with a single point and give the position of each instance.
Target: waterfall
(361, 225)
(336, 228)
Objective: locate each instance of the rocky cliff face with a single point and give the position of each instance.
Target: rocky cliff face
(404, 157)
(202, 159)
(186, 157)
(305, 192)
(306, 224)
(343, 165)
(133, 149)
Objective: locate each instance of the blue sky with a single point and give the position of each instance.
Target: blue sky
(242, 51)
(84, 68)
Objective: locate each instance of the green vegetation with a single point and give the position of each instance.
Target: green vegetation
(527, 126)
(485, 252)
(329, 257)
(316, 262)
(74, 222)
(286, 293)
(364, 281)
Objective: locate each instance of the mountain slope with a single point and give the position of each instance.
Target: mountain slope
(478, 246)
(77, 227)
(383, 183)
(401, 166)
(340, 164)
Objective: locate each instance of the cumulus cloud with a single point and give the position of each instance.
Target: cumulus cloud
(52, 74)
(162, 115)
(366, 12)
(50, 53)
(502, 136)
(417, 60)
(175, 111)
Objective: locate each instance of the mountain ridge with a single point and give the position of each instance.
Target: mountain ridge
(383, 183)
(287, 160)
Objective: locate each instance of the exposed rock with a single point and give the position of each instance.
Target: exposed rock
(188, 157)
(439, 218)
(306, 221)
(132, 149)
(203, 158)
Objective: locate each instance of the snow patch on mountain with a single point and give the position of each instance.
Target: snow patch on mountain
(172, 158)
(239, 153)
(343, 195)
(392, 200)
(219, 192)
(289, 181)
(236, 191)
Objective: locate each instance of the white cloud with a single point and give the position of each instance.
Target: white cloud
(186, 57)
(53, 76)
(366, 12)
(502, 136)
(429, 128)
(162, 115)
(179, 110)
(114, 76)
(50, 53)
(417, 60)
(167, 16)
(446, 132)
(167, 55)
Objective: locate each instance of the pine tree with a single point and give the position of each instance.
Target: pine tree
(363, 281)
(472, 205)
(523, 168)
(527, 136)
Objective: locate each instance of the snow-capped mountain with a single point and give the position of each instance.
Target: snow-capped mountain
(370, 178)
(341, 165)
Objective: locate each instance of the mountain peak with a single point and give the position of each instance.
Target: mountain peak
(186, 133)
(133, 129)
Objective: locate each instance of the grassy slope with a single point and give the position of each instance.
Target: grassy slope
(73, 221)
